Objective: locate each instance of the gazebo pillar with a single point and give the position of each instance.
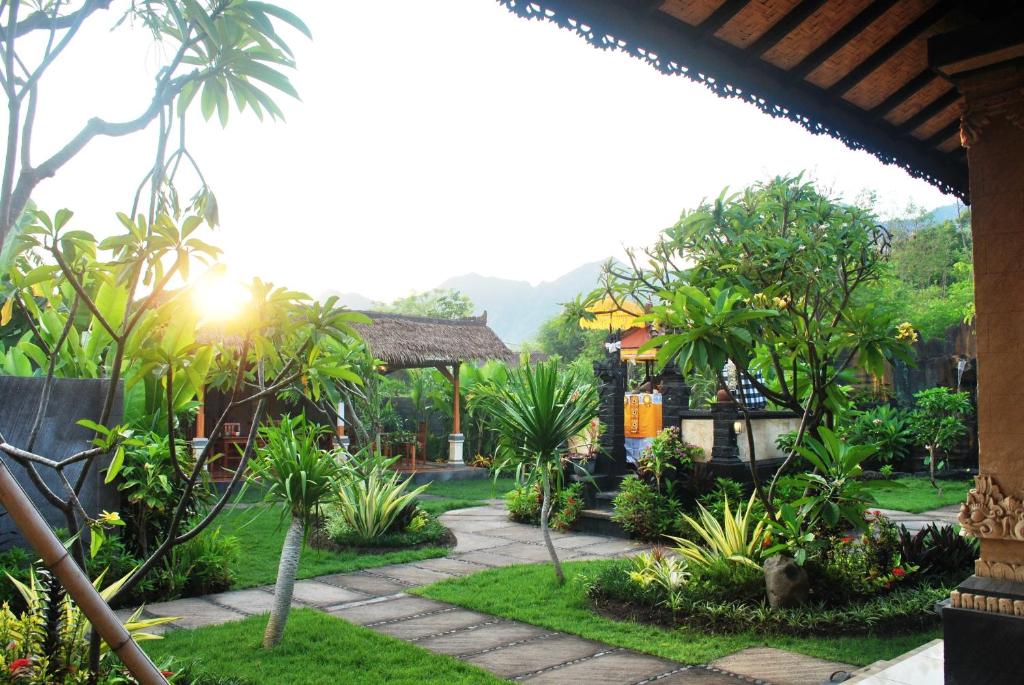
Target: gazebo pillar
(984, 627)
(456, 441)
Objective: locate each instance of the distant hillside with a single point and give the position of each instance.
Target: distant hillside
(350, 300)
(515, 309)
(912, 223)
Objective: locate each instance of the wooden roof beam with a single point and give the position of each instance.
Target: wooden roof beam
(784, 26)
(931, 109)
(841, 37)
(910, 33)
(721, 16)
(943, 134)
(905, 92)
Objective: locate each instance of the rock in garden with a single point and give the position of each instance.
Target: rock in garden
(786, 582)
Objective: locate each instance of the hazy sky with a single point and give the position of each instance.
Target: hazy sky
(435, 139)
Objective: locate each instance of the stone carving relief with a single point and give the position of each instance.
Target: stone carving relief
(993, 605)
(977, 116)
(1000, 570)
(988, 513)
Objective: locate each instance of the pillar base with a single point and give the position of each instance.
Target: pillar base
(456, 441)
(981, 646)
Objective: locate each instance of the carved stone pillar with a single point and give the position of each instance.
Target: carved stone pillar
(985, 618)
(611, 376)
(675, 395)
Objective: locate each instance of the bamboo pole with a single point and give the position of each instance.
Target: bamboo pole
(56, 558)
(455, 382)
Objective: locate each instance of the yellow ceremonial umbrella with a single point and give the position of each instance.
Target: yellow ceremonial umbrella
(609, 315)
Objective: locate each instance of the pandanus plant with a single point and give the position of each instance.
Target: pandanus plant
(536, 412)
(295, 472)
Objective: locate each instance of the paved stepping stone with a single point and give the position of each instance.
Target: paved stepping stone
(574, 541)
(322, 594)
(613, 668)
(194, 612)
(251, 601)
(779, 667)
(489, 558)
(375, 586)
(537, 655)
(698, 675)
(474, 525)
(455, 567)
(481, 639)
(412, 574)
(609, 548)
(471, 542)
(524, 553)
(387, 610)
(433, 624)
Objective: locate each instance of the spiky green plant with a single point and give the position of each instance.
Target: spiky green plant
(536, 412)
(369, 505)
(738, 538)
(295, 472)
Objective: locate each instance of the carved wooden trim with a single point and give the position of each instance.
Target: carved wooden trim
(979, 114)
(1000, 570)
(987, 603)
(988, 513)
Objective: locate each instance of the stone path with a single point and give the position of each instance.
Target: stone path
(915, 522)
(377, 598)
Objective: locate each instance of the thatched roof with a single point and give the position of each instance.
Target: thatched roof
(856, 70)
(409, 342)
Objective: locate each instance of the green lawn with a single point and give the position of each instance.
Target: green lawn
(261, 533)
(917, 494)
(316, 649)
(476, 489)
(529, 594)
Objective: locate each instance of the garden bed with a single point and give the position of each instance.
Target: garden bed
(900, 611)
(433, 535)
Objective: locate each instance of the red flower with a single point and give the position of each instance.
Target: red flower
(899, 572)
(166, 674)
(846, 540)
(19, 664)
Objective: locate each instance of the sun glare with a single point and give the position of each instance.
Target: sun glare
(219, 298)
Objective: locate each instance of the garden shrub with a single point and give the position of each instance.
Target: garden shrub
(14, 562)
(524, 501)
(419, 529)
(886, 428)
(939, 551)
(642, 511)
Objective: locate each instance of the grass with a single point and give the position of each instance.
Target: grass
(317, 648)
(261, 533)
(917, 494)
(475, 489)
(529, 594)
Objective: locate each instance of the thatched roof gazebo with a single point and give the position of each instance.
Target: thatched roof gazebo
(401, 341)
(416, 342)
(936, 87)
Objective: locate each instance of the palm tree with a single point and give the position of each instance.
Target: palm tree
(536, 412)
(301, 476)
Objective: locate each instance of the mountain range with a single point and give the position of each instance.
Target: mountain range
(516, 309)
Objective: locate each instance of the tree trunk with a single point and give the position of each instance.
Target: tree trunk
(545, 513)
(290, 553)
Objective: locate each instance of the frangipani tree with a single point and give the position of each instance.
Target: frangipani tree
(773, 278)
(536, 413)
(87, 317)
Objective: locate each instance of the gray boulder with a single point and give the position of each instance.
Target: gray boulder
(786, 582)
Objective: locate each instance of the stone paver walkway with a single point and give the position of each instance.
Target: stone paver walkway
(377, 598)
(915, 522)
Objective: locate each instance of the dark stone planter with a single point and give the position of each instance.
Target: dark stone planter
(60, 436)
